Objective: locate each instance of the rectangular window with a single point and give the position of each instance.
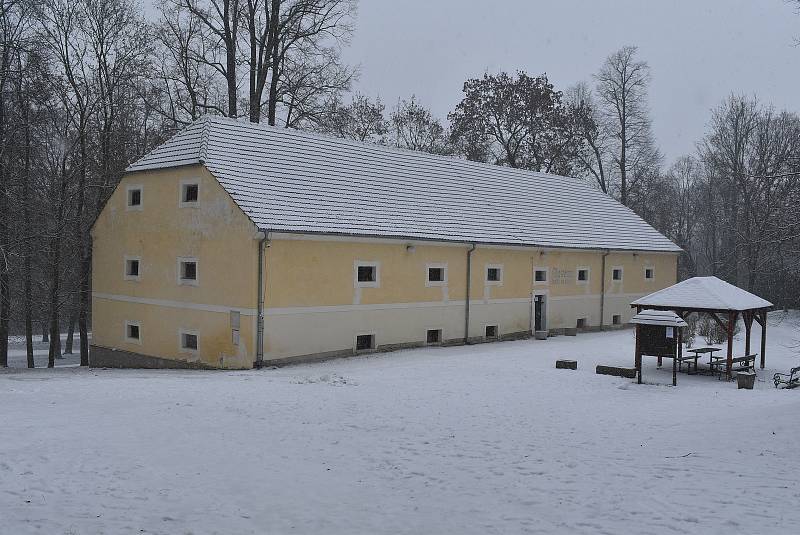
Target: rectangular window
(616, 274)
(190, 192)
(616, 319)
(189, 341)
(494, 274)
(436, 275)
(367, 275)
(133, 332)
(540, 275)
(434, 336)
(365, 342)
(134, 197)
(491, 331)
(581, 323)
(132, 268)
(187, 271)
(649, 273)
(583, 275)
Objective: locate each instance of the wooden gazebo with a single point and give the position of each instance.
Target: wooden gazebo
(718, 299)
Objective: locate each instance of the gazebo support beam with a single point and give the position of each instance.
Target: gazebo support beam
(748, 324)
(763, 337)
(719, 321)
(732, 316)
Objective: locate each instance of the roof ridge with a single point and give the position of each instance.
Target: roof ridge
(387, 148)
(204, 139)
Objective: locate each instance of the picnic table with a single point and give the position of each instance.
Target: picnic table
(698, 352)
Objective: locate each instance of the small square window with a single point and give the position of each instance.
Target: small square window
(616, 319)
(190, 193)
(434, 336)
(494, 274)
(132, 331)
(491, 331)
(616, 274)
(583, 275)
(134, 197)
(132, 268)
(365, 342)
(187, 271)
(189, 341)
(540, 275)
(435, 274)
(581, 323)
(649, 273)
(367, 274)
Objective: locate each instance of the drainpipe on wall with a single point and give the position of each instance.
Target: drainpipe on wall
(466, 305)
(603, 289)
(263, 243)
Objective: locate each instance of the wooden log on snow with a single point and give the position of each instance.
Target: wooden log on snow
(616, 371)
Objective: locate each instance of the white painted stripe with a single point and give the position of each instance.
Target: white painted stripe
(389, 306)
(184, 305)
(286, 311)
(596, 296)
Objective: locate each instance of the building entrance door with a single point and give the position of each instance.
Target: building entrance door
(539, 313)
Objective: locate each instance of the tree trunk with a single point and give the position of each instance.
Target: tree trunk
(26, 216)
(5, 286)
(73, 317)
(83, 246)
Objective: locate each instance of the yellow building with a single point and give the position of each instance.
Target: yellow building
(343, 247)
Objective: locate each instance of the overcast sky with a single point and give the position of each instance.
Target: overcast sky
(699, 51)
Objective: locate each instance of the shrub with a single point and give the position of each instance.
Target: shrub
(714, 334)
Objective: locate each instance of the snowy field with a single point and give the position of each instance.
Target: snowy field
(482, 439)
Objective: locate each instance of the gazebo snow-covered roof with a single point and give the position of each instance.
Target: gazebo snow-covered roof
(659, 317)
(704, 293)
(716, 298)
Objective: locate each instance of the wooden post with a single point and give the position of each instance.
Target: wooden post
(731, 322)
(638, 361)
(763, 338)
(748, 324)
(679, 355)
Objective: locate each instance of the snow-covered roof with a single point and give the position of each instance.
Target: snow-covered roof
(659, 317)
(292, 181)
(704, 292)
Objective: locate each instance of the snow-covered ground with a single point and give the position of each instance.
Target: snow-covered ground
(482, 439)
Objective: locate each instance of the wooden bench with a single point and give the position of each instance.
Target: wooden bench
(689, 360)
(738, 364)
(791, 379)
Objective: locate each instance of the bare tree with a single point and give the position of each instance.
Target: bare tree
(15, 17)
(290, 50)
(361, 120)
(414, 127)
(622, 84)
(594, 154)
(220, 22)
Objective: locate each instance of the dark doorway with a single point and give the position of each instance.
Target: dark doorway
(538, 313)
